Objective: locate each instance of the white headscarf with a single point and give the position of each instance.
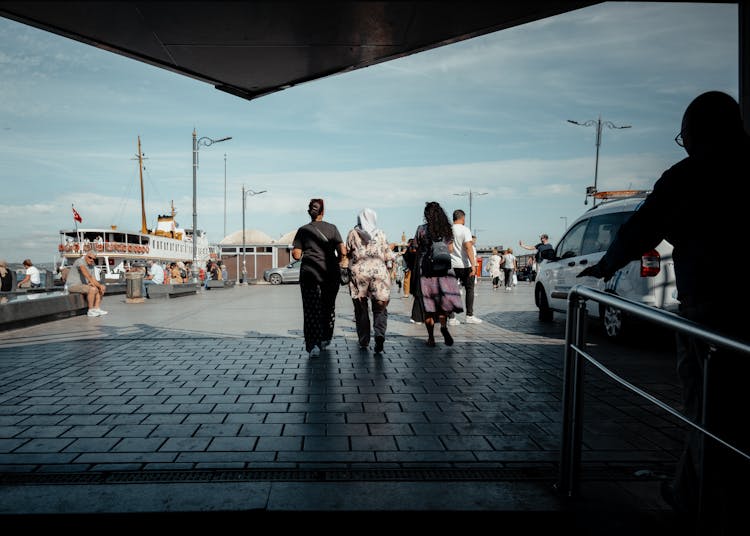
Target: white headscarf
(367, 224)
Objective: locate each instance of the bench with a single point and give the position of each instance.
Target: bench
(115, 288)
(228, 283)
(171, 290)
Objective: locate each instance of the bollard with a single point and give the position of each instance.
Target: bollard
(133, 287)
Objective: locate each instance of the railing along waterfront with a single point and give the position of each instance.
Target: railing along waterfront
(573, 370)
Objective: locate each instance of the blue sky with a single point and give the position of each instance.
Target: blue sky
(487, 115)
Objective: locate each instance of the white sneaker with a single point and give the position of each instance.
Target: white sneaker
(101, 313)
(414, 321)
(315, 352)
(454, 322)
(93, 312)
(473, 320)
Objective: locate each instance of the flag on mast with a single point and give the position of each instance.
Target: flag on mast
(76, 216)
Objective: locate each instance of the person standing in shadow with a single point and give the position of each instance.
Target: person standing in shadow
(693, 204)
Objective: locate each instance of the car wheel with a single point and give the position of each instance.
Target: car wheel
(545, 313)
(613, 320)
(275, 279)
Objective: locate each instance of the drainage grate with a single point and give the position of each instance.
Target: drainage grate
(499, 474)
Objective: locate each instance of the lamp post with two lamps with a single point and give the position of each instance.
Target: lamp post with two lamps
(245, 193)
(197, 142)
(471, 196)
(599, 124)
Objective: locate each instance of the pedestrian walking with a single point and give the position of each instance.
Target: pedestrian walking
(370, 261)
(493, 267)
(510, 265)
(323, 254)
(464, 264)
(438, 295)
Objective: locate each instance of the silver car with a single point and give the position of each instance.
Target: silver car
(283, 274)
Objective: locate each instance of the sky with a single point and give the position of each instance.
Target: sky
(484, 120)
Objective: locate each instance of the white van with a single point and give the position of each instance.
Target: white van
(649, 281)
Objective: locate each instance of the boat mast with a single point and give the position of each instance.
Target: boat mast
(144, 230)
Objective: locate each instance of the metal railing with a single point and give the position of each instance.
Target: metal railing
(573, 369)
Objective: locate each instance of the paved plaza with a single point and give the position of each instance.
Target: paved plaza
(209, 404)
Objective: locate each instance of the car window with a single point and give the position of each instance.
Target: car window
(571, 243)
(601, 230)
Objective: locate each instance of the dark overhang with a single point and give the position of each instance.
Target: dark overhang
(251, 49)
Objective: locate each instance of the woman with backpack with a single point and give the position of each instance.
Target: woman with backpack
(437, 294)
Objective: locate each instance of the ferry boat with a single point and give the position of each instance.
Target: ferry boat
(118, 250)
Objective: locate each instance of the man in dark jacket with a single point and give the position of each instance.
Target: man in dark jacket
(695, 205)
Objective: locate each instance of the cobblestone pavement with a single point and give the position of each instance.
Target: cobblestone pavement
(209, 403)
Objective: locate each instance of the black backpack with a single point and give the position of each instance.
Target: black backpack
(437, 260)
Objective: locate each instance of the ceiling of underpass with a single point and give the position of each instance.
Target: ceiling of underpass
(251, 49)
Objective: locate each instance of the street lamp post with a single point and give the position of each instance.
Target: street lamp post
(197, 142)
(565, 219)
(245, 193)
(599, 124)
(225, 195)
(471, 196)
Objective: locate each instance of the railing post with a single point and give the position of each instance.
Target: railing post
(570, 433)
(703, 501)
(577, 397)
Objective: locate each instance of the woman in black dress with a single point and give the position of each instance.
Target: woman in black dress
(322, 251)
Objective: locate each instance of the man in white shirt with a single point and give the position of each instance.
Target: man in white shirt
(155, 276)
(464, 264)
(33, 278)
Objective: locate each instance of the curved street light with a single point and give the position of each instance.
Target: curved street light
(471, 196)
(246, 193)
(599, 124)
(197, 142)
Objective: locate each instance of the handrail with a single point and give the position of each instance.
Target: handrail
(576, 356)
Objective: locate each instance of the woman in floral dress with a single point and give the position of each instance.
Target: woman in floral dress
(370, 261)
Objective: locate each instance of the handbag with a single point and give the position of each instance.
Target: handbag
(345, 276)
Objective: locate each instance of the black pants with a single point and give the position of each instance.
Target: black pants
(362, 316)
(462, 274)
(319, 310)
(508, 277)
(725, 473)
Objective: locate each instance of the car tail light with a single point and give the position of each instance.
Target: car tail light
(650, 263)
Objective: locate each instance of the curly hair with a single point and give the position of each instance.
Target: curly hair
(438, 225)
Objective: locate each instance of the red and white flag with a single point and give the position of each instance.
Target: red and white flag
(76, 216)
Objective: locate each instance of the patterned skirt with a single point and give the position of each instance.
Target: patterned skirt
(440, 295)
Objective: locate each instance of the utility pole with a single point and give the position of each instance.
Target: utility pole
(471, 196)
(599, 124)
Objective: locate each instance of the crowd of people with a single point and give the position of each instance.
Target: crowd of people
(369, 266)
